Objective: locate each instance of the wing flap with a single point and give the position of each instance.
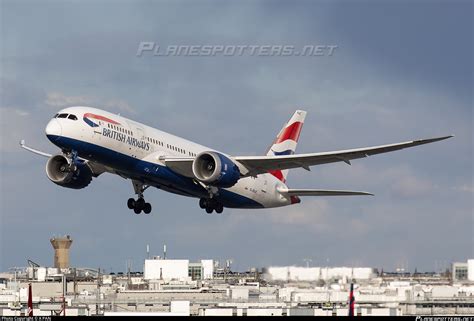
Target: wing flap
(180, 165)
(321, 192)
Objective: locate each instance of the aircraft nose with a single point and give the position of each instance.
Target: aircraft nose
(53, 130)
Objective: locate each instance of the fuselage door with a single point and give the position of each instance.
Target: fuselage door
(97, 133)
(139, 146)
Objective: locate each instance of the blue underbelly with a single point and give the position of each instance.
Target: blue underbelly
(150, 173)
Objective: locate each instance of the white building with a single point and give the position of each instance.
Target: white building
(295, 273)
(470, 270)
(182, 270)
(208, 269)
(159, 269)
(463, 271)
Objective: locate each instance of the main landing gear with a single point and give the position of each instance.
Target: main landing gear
(139, 205)
(211, 205)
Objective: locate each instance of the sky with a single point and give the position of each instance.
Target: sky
(400, 71)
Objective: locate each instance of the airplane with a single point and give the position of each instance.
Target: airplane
(94, 141)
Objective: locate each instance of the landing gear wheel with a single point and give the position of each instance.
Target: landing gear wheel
(203, 203)
(140, 203)
(209, 210)
(219, 209)
(131, 203)
(147, 208)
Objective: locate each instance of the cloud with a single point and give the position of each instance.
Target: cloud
(119, 105)
(401, 179)
(7, 111)
(465, 188)
(412, 187)
(60, 100)
(312, 214)
(237, 104)
(16, 124)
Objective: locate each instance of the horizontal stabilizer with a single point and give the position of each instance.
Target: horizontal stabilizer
(320, 192)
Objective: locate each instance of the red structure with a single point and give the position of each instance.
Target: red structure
(351, 301)
(30, 301)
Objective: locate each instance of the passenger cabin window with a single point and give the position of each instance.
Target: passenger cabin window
(62, 116)
(73, 117)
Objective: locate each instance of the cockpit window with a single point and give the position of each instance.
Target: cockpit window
(62, 116)
(55, 115)
(73, 117)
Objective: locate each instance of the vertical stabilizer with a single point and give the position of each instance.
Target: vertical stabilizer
(286, 141)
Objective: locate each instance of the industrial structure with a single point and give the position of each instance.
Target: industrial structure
(180, 287)
(61, 247)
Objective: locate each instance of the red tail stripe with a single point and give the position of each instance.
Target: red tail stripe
(278, 174)
(291, 132)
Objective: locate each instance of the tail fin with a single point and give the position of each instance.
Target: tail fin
(286, 141)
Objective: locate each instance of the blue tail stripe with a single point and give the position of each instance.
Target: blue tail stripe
(286, 152)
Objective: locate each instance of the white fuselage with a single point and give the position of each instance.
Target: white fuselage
(134, 150)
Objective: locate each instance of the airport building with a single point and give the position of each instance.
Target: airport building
(205, 288)
(460, 271)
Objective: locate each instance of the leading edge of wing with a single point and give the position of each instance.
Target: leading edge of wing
(32, 150)
(261, 164)
(392, 147)
(322, 192)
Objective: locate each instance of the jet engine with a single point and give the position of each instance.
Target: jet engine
(215, 169)
(62, 171)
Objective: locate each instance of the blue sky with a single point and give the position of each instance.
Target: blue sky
(402, 70)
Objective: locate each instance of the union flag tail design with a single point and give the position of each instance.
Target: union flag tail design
(286, 141)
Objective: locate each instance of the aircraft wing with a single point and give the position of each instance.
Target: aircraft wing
(263, 164)
(34, 151)
(255, 165)
(320, 192)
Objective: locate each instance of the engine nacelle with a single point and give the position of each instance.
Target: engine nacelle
(61, 172)
(215, 169)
